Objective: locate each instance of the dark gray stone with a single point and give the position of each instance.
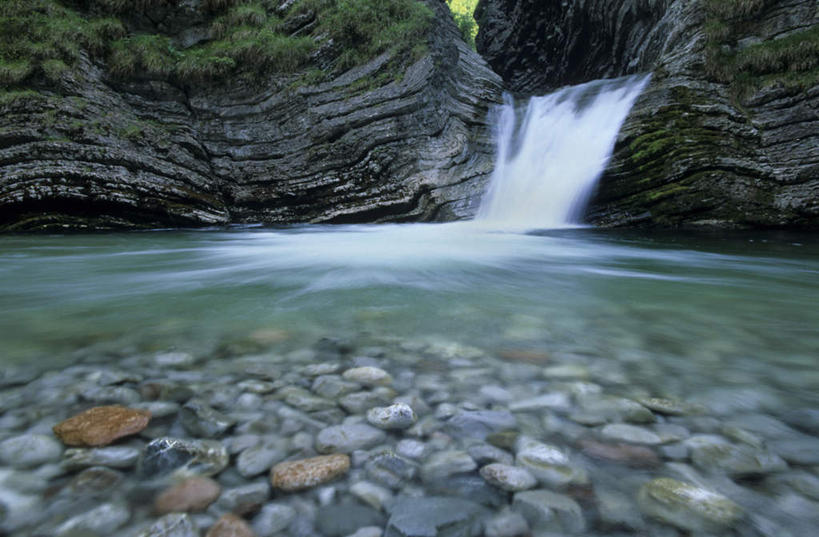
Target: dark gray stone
(435, 516)
(344, 519)
(480, 423)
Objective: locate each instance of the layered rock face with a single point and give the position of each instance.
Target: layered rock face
(98, 152)
(726, 134)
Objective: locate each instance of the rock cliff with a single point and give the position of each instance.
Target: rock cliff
(110, 144)
(727, 133)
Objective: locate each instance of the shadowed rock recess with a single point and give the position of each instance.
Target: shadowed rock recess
(726, 134)
(89, 145)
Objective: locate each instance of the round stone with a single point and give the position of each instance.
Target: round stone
(348, 438)
(368, 376)
(307, 473)
(630, 433)
(230, 525)
(508, 477)
(397, 416)
(99, 426)
(193, 494)
(28, 450)
(687, 506)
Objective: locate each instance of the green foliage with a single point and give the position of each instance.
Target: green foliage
(463, 12)
(152, 56)
(43, 37)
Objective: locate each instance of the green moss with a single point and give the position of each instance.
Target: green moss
(8, 97)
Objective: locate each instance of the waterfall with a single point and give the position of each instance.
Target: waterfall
(551, 154)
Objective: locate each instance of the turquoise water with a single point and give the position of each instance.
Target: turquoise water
(687, 311)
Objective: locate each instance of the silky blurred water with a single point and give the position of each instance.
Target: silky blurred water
(682, 313)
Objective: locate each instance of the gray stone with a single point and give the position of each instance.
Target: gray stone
(547, 463)
(736, 461)
(412, 449)
(345, 518)
(159, 409)
(111, 456)
(201, 420)
(618, 510)
(368, 531)
(360, 402)
(28, 450)
(480, 423)
(174, 359)
(550, 401)
(104, 519)
(112, 395)
(446, 463)
(633, 434)
(304, 400)
(371, 494)
(173, 525)
(258, 459)
(506, 477)
(670, 407)
(324, 368)
(487, 454)
(507, 524)
(333, 386)
(396, 416)
(17, 509)
(348, 438)
(687, 506)
(804, 451)
(547, 510)
(368, 376)
(470, 486)
(183, 457)
(272, 519)
(434, 517)
(391, 470)
(615, 409)
(241, 500)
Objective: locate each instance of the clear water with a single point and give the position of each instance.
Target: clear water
(681, 313)
(551, 152)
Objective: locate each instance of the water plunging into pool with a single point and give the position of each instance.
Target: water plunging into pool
(552, 152)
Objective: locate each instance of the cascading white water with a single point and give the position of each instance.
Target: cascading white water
(550, 157)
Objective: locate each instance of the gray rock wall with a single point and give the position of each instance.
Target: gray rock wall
(100, 154)
(696, 150)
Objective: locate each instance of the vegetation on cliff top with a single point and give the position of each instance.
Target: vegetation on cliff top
(792, 60)
(463, 11)
(41, 40)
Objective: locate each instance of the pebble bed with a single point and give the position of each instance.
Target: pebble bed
(395, 438)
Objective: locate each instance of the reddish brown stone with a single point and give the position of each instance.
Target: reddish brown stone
(99, 426)
(307, 473)
(230, 526)
(635, 456)
(194, 494)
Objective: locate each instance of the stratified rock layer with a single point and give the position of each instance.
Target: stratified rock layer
(106, 154)
(700, 148)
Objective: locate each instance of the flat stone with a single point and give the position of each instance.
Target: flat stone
(617, 510)
(804, 451)
(470, 486)
(622, 432)
(360, 402)
(547, 510)
(94, 481)
(333, 386)
(230, 525)
(371, 494)
(183, 457)
(551, 401)
(367, 531)
(508, 477)
(627, 454)
(273, 518)
(345, 518)
(256, 460)
(111, 456)
(172, 525)
(390, 469)
(29, 450)
(412, 449)
(687, 506)
(192, 494)
(567, 371)
(433, 517)
(241, 500)
(615, 409)
(307, 473)
(174, 359)
(736, 461)
(446, 463)
(348, 438)
(547, 463)
(397, 416)
(99, 426)
(368, 376)
(480, 423)
(670, 407)
(507, 524)
(17, 509)
(104, 519)
(487, 454)
(203, 421)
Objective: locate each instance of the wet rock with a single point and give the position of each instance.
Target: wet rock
(480, 423)
(735, 460)
(172, 525)
(507, 477)
(507, 524)
(304, 400)
(551, 401)
(159, 409)
(102, 520)
(412, 449)
(617, 510)
(17, 510)
(242, 500)
(256, 460)
(371, 494)
(390, 469)
(470, 486)
(184, 457)
(547, 463)
(174, 359)
(348, 438)
(230, 525)
(99, 426)
(621, 432)
(687, 506)
(203, 421)
(345, 518)
(192, 494)
(368, 531)
(670, 407)
(307, 473)
(397, 416)
(567, 371)
(29, 450)
(333, 386)
(95, 481)
(360, 402)
(804, 451)
(112, 457)
(616, 409)
(368, 376)
(806, 419)
(487, 454)
(273, 518)
(433, 516)
(630, 455)
(446, 463)
(111, 395)
(547, 510)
